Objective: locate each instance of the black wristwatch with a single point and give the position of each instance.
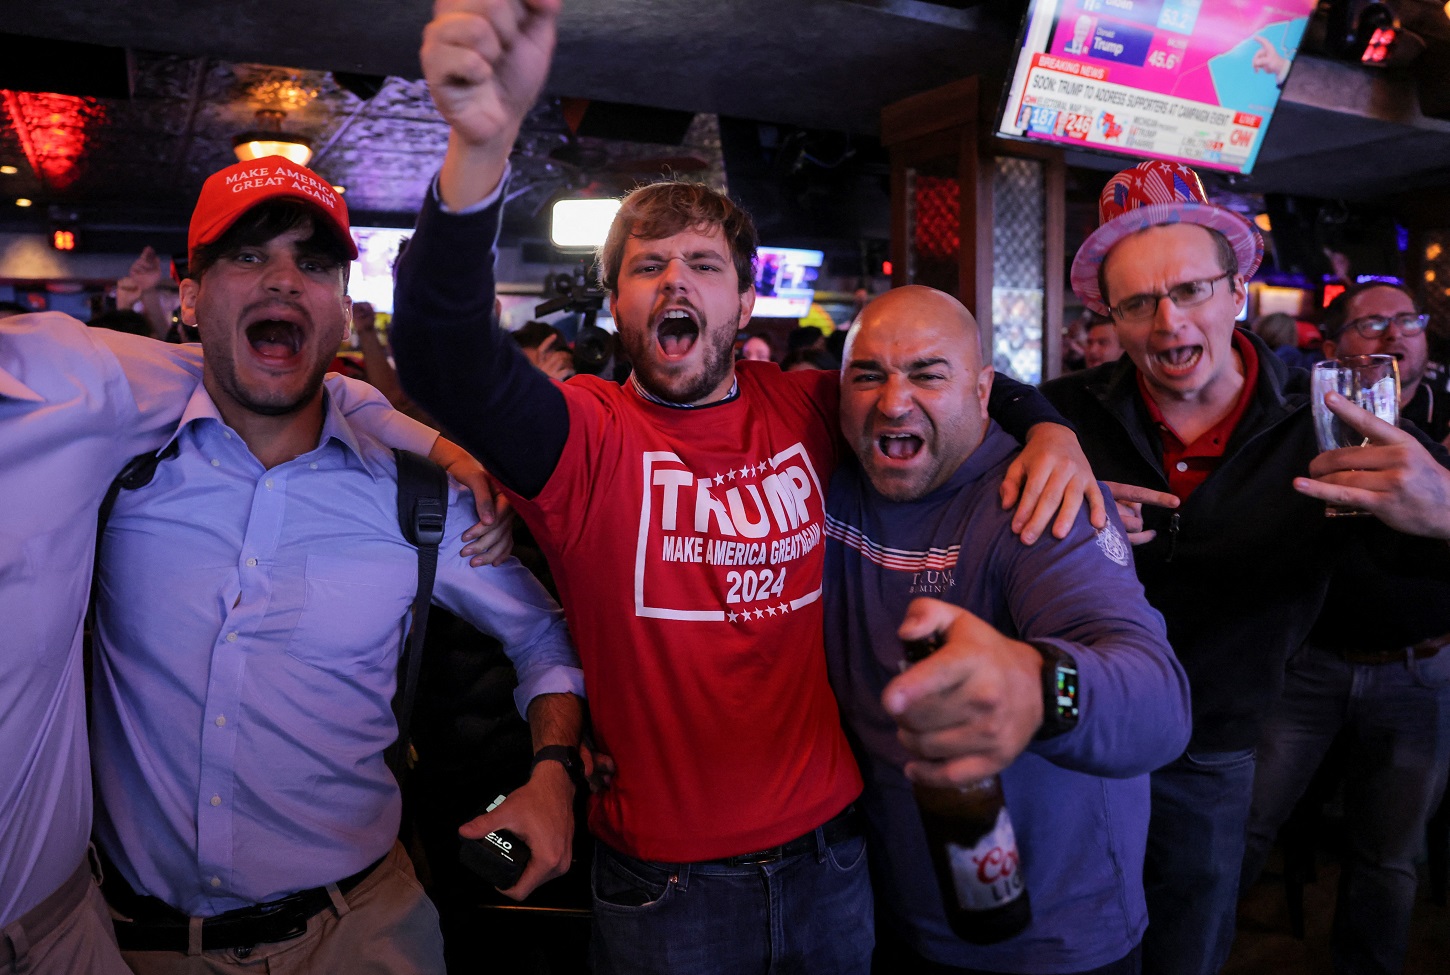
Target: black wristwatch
(567, 756)
(1059, 691)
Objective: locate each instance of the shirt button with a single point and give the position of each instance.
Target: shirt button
(215, 462)
(268, 482)
(221, 721)
(232, 637)
(216, 800)
(216, 881)
(1182, 465)
(313, 465)
(251, 561)
(227, 434)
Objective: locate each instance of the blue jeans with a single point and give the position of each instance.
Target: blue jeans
(804, 914)
(1398, 719)
(1195, 850)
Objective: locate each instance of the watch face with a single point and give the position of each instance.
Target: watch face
(1066, 692)
(1059, 692)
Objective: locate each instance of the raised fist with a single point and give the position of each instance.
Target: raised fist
(485, 62)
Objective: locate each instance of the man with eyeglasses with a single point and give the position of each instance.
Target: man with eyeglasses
(1378, 318)
(1206, 438)
(1375, 674)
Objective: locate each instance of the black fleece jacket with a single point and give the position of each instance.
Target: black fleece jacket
(1240, 571)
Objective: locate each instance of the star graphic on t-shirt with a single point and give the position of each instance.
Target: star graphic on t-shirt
(744, 471)
(770, 610)
(732, 616)
(762, 467)
(759, 614)
(783, 609)
(728, 474)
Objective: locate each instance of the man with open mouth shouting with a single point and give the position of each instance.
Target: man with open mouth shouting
(1206, 440)
(683, 518)
(1053, 671)
(76, 405)
(252, 594)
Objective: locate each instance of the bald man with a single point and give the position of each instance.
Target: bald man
(1055, 673)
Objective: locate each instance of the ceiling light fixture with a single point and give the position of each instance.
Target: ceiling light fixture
(22, 202)
(268, 139)
(8, 170)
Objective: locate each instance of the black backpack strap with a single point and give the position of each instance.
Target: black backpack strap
(422, 513)
(137, 473)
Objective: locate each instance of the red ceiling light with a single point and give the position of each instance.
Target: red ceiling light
(52, 132)
(63, 239)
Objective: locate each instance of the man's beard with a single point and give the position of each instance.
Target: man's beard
(224, 372)
(717, 361)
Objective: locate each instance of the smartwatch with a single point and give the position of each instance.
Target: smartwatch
(1059, 691)
(567, 756)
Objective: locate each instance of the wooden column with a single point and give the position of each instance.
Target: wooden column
(947, 132)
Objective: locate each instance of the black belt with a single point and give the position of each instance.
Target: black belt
(157, 926)
(842, 826)
(1396, 655)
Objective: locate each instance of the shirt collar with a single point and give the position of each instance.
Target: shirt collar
(651, 397)
(201, 407)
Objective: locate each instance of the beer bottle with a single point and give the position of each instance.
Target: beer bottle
(973, 850)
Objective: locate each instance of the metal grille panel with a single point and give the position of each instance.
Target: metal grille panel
(1019, 204)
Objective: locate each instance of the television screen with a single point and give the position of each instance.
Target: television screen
(785, 279)
(371, 279)
(1192, 81)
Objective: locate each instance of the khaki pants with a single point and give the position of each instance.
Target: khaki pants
(385, 926)
(68, 934)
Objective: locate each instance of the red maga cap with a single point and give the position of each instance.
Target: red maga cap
(231, 192)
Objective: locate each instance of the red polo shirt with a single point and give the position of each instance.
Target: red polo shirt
(1188, 465)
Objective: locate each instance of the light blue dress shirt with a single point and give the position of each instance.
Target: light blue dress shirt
(76, 403)
(249, 623)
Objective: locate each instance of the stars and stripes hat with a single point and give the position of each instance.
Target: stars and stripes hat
(1150, 194)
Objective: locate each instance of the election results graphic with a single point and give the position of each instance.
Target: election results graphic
(1193, 81)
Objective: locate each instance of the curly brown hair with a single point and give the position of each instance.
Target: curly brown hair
(664, 209)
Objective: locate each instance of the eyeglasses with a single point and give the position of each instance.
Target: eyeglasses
(1137, 308)
(1373, 326)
